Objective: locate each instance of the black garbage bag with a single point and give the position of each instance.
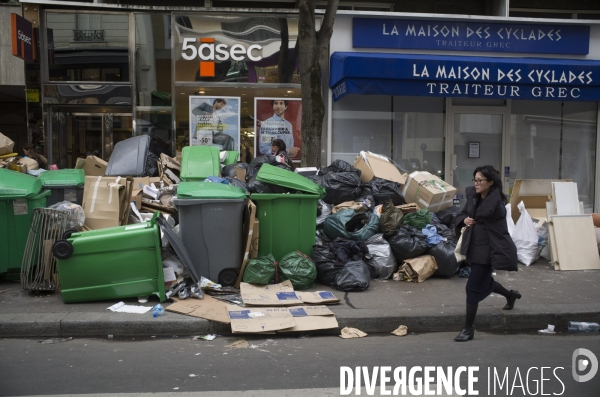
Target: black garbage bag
(384, 190)
(380, 259)
(352, 276)
(446, 232)
(228, 171)
(339, 166)
(408, 242)
(256, 186)
(257, 162)
(345, 250)
(237, 183)
(350, 225)
(448, 216)
(299, 269)
(250, 172)
(443, 253)
(151, 168)
(391, 218)
(339, 187)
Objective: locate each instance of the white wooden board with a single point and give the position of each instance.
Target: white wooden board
(574, 242)
(565, 198)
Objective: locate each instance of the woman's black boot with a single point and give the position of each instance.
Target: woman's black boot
(510, 300)
(465, 335)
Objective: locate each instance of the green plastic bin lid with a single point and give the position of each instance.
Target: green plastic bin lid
(231, 158)
(209, 190)
(18, 184)
(199, 162)
(280, 177)
(68, 177)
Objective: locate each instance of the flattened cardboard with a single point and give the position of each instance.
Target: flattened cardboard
(534, 193)
(136, 190)
(574, 250)
(94, 166)
(240, 173)
(372, 166)
(207, 307)
(310, 318)
(79, 164)
(317, 297)
(249, 218)
(259, 319)
(428, 191)
(281, 294)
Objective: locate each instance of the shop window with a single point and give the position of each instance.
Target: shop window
(241, 116)
(88, 46)
(410, 130)
(555, 140)
(156, 123)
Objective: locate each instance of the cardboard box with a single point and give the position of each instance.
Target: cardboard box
(281, 294)
(428, 191)
(106, 201)
(94, 166)
(534, 193)
(240, 173)
(372, 166)
(259, 319)
(249, 220)
(137, 190)
(310, 318)
(207, 307)
(79, 164)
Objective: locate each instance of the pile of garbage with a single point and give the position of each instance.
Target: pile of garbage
(371, 229)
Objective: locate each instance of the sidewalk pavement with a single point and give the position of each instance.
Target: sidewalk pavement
(436, 305)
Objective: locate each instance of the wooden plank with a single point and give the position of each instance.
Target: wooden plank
(552, 244)
(575, 242)
(565, 198)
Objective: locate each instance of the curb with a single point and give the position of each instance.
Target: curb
(449, 319)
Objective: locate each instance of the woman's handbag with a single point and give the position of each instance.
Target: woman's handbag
(460, 257)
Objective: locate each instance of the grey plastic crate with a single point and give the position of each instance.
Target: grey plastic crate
(211, 231)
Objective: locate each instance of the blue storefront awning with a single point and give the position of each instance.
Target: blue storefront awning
(366, 73)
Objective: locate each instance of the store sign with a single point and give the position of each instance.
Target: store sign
(22, 37)
(208, 53)
(33, 95)
(454, 76)
(470, 36)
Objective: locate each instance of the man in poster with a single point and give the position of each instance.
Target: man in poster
(212, 124)
(277, 127)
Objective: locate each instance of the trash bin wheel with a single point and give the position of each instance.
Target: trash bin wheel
(228, 277)
(62, 249)
(68, 233)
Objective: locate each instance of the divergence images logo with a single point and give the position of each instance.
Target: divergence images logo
(208, 52)
(580, 364)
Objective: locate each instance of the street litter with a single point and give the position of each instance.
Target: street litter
(350, 333)
(400, 331)
(205, 337)
(547, 331)
(55, 340)
(238, 344)
(208, 308)
(121, 307)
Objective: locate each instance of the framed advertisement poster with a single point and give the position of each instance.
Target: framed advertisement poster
(215, 121)
(278, 118)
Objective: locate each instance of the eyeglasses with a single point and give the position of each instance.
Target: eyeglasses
(478, 181)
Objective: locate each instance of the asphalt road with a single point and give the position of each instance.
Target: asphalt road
(291, 366)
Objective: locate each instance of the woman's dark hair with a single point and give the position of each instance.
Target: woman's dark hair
(279, 143)
(30, 147)
(492, 174)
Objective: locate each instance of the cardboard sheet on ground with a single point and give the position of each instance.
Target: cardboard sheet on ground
(310, 318)
(281, 294)
(317, 297)
(208, 308)
(259, 319)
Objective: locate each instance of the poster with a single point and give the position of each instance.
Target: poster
(278, 118)
(215, 121)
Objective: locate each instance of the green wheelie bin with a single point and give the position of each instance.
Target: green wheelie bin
(20, 194)
(64, 185)
(113, 263)
(199, 162)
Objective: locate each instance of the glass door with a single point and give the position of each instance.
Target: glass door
(476, 137)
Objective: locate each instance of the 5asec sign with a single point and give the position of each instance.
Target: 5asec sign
(470, 36)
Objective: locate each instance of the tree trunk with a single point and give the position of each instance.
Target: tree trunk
(313, 58)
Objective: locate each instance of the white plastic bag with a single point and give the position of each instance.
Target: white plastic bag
(460, 257)
(525, 237)
(509, 220)
(543, 248)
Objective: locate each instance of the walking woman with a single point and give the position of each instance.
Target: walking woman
(486, 243)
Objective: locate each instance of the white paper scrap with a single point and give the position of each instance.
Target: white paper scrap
(256, 314)
(169, 274)
(121, 307)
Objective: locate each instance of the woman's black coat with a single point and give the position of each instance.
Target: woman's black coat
(487, 241)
